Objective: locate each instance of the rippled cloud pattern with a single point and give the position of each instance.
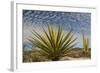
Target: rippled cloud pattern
(79, 22)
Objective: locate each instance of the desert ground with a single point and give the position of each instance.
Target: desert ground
(73, 54)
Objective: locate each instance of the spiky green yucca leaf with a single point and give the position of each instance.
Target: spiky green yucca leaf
(54, 43)
(85, 44)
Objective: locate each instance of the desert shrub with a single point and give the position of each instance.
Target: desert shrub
(31, 56)
(54, 43)
(86, 50)
(27, 58)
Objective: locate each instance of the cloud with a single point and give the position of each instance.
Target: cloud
(78, 22)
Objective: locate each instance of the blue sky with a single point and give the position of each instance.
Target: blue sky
(79, 22)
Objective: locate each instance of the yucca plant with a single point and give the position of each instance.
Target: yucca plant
(53, 43)
(85, 45)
